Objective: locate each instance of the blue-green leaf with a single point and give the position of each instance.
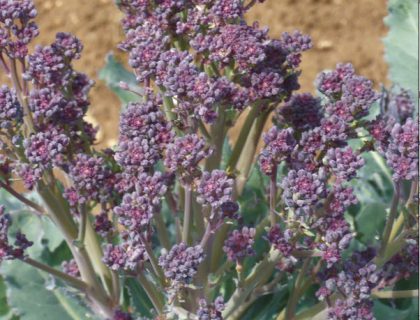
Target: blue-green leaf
(113, 73)
(28, 296)
(401, 43)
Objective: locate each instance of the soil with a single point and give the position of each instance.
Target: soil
(342, 31)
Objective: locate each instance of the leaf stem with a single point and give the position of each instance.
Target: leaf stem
(21, 198)
(72, 281)
(391, 218)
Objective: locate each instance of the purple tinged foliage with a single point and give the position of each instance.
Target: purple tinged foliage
(180, 264)
(214, 189)
(238, 244)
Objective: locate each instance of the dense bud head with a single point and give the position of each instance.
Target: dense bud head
(126, 256)
(214, 189)
(303, 189)
(11, 112)
(402, 153)
(281, 240)
(184, 156)
(180, 264)
(46, 148)
(147, 121)
(135, 211)
(211, 311)
(302, 111)
(239, 244)
(88, 174)
(279, 144)
(343, 162)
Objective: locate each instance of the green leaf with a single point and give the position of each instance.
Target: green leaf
(253, 199)
(138, 297)
(28, 295)
(401, 43)
(384, 311)
(113, 73)
(370, 222)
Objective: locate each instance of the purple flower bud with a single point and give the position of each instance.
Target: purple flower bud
(402, 105)
(137, 154)
(344, 163)
(279, 146)
(333, 130)
(211, 311)
(145, 120)
(330, 83)
(227, 9)
(280, 241)
(68, 45)
(126, 256)
(120, 315)
(302, 111)
(135, 211)
(46, 148)
(214, 189)
(29, 174)
(402, 153)
(88, 174)
(11, 112)
(102, 225)
(303, 189)
(239, 244)
(180, 264)
(184, 155)
(70, 267)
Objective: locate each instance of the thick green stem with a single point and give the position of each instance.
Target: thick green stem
(273, 193)
(395, 294)
(186, 228)
(242, 138)
(153, 261)
(391, 218)
(294, 298)
(162, 231)
(217, 134)
(258, 274)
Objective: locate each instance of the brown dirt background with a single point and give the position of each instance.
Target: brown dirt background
(342, 31)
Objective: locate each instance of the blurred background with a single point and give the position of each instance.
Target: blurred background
(342, 31)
